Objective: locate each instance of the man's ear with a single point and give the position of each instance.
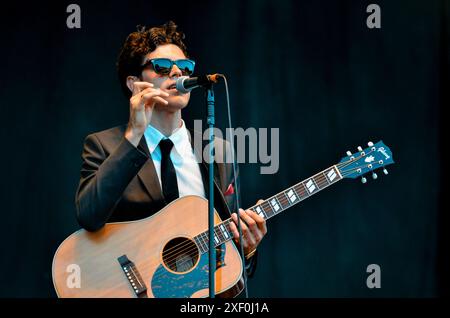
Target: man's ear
(130, 82)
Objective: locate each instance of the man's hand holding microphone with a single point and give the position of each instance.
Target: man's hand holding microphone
(143, 99)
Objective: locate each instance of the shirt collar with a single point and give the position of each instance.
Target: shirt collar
(179, 137)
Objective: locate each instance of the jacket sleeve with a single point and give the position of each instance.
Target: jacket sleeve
(103, 180)
(250, 264)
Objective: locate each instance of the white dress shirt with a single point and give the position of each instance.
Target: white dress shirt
(189, 177)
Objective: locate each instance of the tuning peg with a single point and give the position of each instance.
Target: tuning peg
(385, 171)
(374, 175)
(370, 144)
(363, 180)
(359, 148)
(349, 153)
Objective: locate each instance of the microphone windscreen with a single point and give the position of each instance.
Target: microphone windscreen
(180, 85)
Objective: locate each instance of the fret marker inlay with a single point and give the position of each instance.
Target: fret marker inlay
(275, 205)
(310, 185)
(291, 195)
(224, 231)
(331, 175)
(259, 211)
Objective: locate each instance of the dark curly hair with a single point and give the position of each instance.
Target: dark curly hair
(140, 43)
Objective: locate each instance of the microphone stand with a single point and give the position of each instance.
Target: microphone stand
(212, 249)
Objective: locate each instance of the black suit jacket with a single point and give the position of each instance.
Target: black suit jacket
(118, 181)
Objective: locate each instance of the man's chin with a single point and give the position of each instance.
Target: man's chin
(173, 106)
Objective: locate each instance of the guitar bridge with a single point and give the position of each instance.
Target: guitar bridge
(133, 276)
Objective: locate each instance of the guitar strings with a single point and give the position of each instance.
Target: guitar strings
(171, 258)
(284, 201)
(194, 249)
(190, 250)
(321, 178)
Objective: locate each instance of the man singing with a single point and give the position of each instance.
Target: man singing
(132, 171)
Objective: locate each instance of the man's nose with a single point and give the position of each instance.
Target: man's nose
(175, 71)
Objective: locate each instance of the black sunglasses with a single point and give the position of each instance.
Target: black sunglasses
(163, 66)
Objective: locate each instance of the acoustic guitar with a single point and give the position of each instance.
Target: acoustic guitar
(166, 254)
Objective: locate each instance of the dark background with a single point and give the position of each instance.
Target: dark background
(310, 68)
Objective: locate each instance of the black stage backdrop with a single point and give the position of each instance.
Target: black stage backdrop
(313, 69)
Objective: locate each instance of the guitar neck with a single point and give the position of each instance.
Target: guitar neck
(275, 204)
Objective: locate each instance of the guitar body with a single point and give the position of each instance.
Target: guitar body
(88, 264)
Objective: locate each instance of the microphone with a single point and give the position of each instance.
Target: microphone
(185, 84)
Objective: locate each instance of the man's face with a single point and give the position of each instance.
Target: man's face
(176, 99)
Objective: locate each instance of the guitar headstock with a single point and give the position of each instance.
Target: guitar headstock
(364, 161)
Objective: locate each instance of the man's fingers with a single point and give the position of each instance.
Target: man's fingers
(247, 235)
(253, 227)
(154, 92)
(146, 90)
(244, 226)
(146, 97)
(260, 222)
(234, 230)
(248, 219)
(160, 100)
(137, 99)
(139, 86)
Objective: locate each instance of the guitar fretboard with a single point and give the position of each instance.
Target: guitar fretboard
(274, 205)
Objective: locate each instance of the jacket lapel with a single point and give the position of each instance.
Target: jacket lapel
(148, 175)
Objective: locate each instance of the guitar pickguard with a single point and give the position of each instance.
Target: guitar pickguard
(167, 284)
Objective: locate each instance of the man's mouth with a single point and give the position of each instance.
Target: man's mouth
(171, 87)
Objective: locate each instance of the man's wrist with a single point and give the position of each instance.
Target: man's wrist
(133, 136)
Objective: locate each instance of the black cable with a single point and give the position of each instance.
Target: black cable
(236, 182)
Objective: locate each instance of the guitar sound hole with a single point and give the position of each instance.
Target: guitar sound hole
(180, 254)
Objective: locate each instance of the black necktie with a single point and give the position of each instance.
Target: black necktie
(168, 174)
